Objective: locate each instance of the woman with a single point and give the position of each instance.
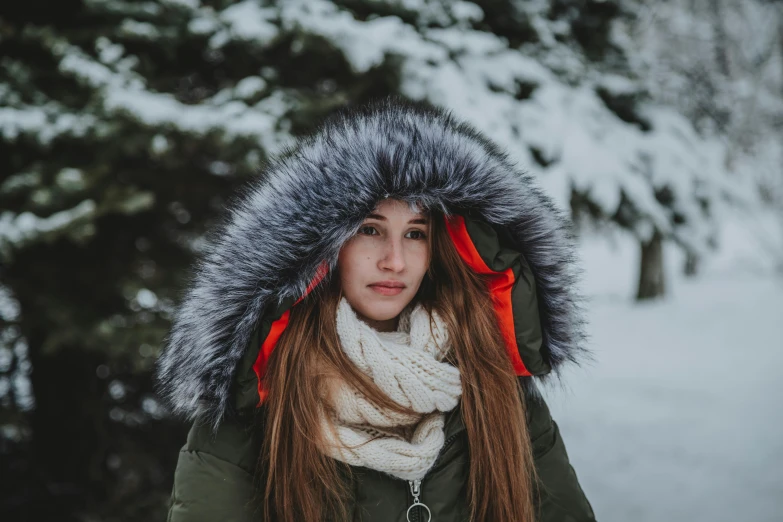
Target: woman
(361, 338)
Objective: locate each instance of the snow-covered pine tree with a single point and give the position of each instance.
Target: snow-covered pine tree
(124, 125)
(720, 64)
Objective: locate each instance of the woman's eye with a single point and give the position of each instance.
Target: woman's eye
(371, 231)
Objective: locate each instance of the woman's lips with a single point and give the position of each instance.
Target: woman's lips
(387, 290)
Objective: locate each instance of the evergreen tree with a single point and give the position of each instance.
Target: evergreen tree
(124, 126)
(719, 63)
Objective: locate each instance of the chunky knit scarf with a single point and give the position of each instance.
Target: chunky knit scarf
(408, 366)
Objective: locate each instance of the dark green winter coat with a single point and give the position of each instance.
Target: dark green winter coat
(282, 237)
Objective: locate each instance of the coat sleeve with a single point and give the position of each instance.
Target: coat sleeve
(560, 497)
(213, 479)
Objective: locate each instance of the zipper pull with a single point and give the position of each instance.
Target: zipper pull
(415, 486)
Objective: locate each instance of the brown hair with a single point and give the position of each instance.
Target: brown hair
(301, 483)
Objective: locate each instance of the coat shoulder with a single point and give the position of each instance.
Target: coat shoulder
(214, 477)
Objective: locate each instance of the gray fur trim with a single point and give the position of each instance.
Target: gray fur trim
(311, 199)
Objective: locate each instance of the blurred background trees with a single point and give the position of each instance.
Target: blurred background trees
(125, 126)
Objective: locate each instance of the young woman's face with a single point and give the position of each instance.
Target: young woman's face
(382, 266)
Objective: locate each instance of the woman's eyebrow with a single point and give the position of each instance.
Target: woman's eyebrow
(415, 221)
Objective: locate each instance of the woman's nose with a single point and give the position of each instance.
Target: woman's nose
(393, 257)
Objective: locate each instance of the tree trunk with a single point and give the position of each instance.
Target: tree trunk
(691, 264)
(651, 280)
(720, 40)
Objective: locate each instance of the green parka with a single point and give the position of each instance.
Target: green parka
(281, 238)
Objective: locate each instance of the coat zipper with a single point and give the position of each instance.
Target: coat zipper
(415, 487)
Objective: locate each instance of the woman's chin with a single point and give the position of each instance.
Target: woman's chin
(383, 307)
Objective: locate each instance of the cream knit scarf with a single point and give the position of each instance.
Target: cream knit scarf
(408, 366)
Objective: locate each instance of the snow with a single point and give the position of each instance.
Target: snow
(126, 94)
(14, 382)
(6, 358)
(249, 21)
(619, 85)
(679, 416)
(14, 121)
(153, 408)
(364, 44)
(141, 29)
(467, 11)
(110, 52)
(159, 144)
(117, 390)
(249, 86)
(70, 179)
(476, 75)
(476, 43)
(9, 306)
(184, 3)
(146, 298)
(45, 122)
(23, 390)
(26, 226)
(204, 24)
(473, 73)
(233, 118)
(87, 70)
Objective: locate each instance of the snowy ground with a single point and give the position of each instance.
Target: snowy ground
(680, 417)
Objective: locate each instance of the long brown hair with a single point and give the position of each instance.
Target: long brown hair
(299, 482)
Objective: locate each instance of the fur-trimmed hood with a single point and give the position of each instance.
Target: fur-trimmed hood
(293, 219)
